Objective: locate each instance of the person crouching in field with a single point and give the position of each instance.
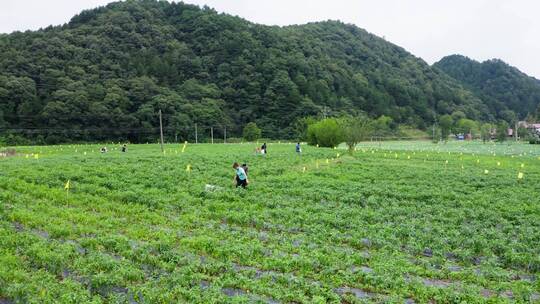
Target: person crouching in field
(240, 176)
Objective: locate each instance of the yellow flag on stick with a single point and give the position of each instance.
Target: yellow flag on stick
(188, 168)
(337, 155)
(36, 156)
(304, 169)
(522, 165)
(520, 175)
(486, 171)
(67, 186)
(184, 147)
(498, 163)
(327, 161)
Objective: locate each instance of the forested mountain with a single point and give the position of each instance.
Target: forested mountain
(106, 73)
(503, 88)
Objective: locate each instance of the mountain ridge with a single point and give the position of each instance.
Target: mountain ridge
(112, 68)
(502, 87)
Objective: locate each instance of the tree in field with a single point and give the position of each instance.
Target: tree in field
(355, 130)
(445, 123)
(325, 133)
(252, 132)
(301, 125)
(466, 126)
(382, 126)
(485, 132)
(502, 131)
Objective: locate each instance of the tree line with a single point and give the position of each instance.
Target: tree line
(106, 73)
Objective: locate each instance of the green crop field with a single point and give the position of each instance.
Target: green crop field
(410, 222)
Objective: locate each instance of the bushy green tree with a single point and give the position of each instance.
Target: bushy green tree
(325, 133)
(466, 126)
(356, 129)
(382, 126)
(485, 132)
(252, 132)
(502, 131)
(301, 126)
(445, 123)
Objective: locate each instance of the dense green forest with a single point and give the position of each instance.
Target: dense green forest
(503, 88)
(106, 73)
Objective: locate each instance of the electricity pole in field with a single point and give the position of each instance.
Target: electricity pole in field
(161, 129)
(196, 139)
(212, 134)
(225, 135)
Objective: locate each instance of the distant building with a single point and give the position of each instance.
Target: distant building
(531, 126)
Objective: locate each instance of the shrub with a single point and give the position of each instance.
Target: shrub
(251, 132)
(325, 133)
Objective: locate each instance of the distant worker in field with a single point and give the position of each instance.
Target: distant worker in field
(240, 176)
(263, 149)
(124, 148)
(298, 149)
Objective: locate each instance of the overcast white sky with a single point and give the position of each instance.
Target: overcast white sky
(430, 29)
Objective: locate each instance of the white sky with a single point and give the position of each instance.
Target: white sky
(430, 29)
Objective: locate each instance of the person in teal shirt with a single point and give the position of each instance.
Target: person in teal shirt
(241, 176)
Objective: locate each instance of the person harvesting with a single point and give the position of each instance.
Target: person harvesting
(240, 176)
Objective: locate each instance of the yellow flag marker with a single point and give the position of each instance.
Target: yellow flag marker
(522, 165)
(337, 155)
(317, 145)
(304, 169)
(67, 186)
(446, 162)
(408, 157)
(396, 155)
(462, 167)
(520, 175)
(327, 161)
(36, 156)
(486, 171)
(26, 155)
(372, 151)
(477, 161)
(498, 163)
(84, 152)
(188, 168)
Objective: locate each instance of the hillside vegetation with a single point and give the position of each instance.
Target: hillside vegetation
(105, 74)
(503, 88)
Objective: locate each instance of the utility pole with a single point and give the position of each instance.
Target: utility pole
(196, 139)
(516, 131)
(212, 133)
(225, 135)
(161, 130)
